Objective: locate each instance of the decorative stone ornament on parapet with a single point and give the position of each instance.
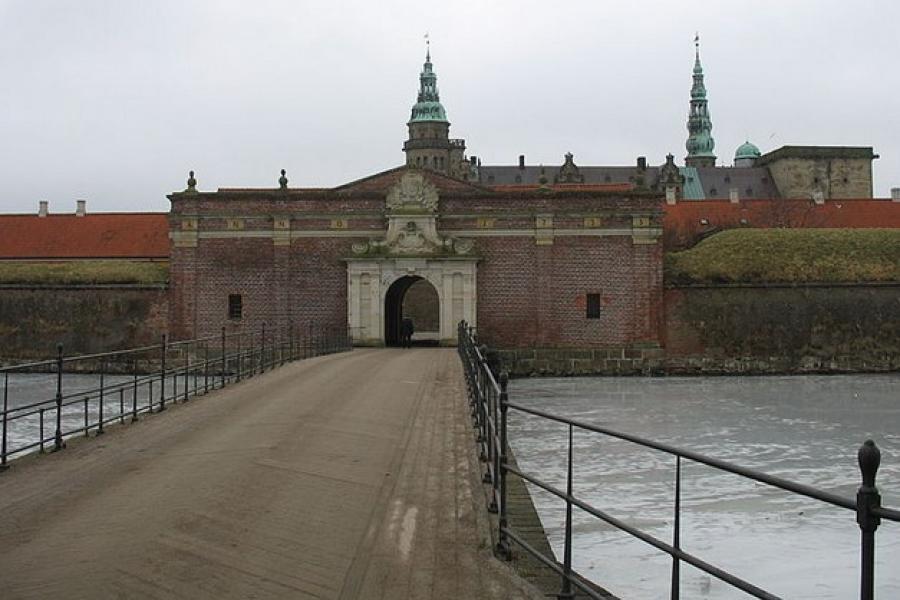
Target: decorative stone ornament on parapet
(411, 209)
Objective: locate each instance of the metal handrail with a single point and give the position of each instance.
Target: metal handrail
(166, 372)
(493, 442)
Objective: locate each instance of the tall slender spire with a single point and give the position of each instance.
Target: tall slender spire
(700, 143)
(428, 105)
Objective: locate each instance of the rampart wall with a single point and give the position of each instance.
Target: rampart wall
(747, 330)
(84, 318)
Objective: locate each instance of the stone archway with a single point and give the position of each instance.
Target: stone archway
(411, 249)
(370, 284)
(397, 306)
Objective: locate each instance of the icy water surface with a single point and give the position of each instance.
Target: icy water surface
(121, 398)
(803, 428)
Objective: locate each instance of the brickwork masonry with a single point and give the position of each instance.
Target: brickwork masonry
(744, 330)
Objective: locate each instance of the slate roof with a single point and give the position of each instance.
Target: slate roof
(531, 175)
(93, 236)
(751, 182)
(714, 182)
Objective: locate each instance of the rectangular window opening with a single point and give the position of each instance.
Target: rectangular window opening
(235, 306)
(593, 306)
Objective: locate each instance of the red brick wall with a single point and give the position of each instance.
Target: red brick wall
(528, 295)
(535, 296)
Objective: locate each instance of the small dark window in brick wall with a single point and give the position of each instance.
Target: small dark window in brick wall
(593, 306)
(235, 306)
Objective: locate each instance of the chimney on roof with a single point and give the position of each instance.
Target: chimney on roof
(521, 161)
(895, 194)
(43, 208)
(80, 208)
(473, 160)
(642, 163)
(733, 196)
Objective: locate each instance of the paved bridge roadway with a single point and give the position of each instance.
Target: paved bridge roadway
(343, 476)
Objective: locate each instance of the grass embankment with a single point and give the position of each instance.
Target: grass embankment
(84, 272)
(789, 256)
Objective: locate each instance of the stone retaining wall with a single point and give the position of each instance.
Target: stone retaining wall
(731, 330)
(85, 319)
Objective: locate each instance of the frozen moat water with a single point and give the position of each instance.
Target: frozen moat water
(803, 428)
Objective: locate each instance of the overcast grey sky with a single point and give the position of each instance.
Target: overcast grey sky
(115, 100)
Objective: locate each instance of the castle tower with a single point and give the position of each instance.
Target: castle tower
(429, 145)
(700, 143)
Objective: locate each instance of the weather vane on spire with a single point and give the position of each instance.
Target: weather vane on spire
(427, 47)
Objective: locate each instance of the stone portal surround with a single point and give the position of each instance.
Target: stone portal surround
(533, 255)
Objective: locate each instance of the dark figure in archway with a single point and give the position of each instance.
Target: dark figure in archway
(406, 332)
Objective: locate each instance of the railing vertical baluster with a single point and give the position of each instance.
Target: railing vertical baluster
(174, 384)
(58, 443)
(676, 533)
(224, 361)
(262, 349)
(3, 465)
(122, 405)
(134, 392)
(150, 398)
(503, 549)
(867, 498)
(162, 377)
(205, 367)
(41, 432)
(87, 400)
(566, 592)
(100, 399)
(240, 357)
(187, 371)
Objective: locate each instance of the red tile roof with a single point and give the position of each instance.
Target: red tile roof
(101, 235)
(683, 221)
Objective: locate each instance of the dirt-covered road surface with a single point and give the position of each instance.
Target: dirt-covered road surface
(343, 476)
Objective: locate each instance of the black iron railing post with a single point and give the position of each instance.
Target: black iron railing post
(41, 432)
(240, 357)
(3, 465)
(87, 400)
(868, 498)
(58, 443)
(134, 392)
(676, 533)
(262, 350)
(566, 592)
(162, 376)
(503, 549)
(187, 371)
(205, 367)
(100, 399)
(224, 361)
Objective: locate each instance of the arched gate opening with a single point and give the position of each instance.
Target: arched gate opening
(415, 298)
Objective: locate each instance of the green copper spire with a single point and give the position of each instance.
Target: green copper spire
(700, 143)
(428, 107)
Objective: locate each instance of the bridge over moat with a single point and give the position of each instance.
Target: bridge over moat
(343, 476)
